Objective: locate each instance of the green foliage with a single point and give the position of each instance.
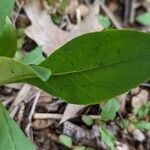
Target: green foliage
(123, 123)
(144, 19)
(11, 136)
(20, 38)
(63, 5)
(108, 138)
(143, 111)
(142, 125)
(6, 7)
(110, 109)
(12, 71)
(8, 40)
(87, 120)
(92, 72)
(65, 140)
(89, 69)
(35, 57)
(104, 21)
(56, 19)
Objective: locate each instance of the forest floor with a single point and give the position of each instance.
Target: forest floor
(51, 123)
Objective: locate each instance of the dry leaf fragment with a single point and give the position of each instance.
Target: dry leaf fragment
(71, 111)
(140, 99)
(46, 34)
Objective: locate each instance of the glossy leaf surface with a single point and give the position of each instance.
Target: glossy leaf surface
(98, 66)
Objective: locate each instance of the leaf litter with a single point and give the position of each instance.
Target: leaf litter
(67, 118)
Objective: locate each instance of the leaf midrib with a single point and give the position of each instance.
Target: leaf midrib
(99, 67)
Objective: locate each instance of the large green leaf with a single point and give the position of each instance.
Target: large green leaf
(6, 7)
(8, 40)
(11, 137)
(35, 57)
(98, 66)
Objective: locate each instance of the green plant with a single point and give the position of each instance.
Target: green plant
(89, 69)
(144, 19)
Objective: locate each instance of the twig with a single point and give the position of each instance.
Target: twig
(57, 116)
(20, 97)
(127, 11)
(110, 15)
(20, 6)
(20, 113)
(34, 106)
(28, 129)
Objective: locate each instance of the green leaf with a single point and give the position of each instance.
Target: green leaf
(20, 38)
(12, 138)
(142, 125)
(104, 21)
(65, 140)
(143, 111)
(97, 66)
(108, 138)
(8, 40)
(6, 7)
(63, 5)
(123, 123)
(35, 57)
(12, 71)
(87, 120)
(144, 19)
(110, 109)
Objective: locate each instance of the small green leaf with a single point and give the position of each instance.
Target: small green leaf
(65, 140)
(35, 57)
(12, 71)
(142, 125)
(110, 109)
(87, 120)
(6, 8)
(143, 111)
(104, 21)
(144, 19)
(63, 5)
(20, 38)
(108, 138)
(56, 19)
(8, 40)
(124, 123)
(12, 138)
